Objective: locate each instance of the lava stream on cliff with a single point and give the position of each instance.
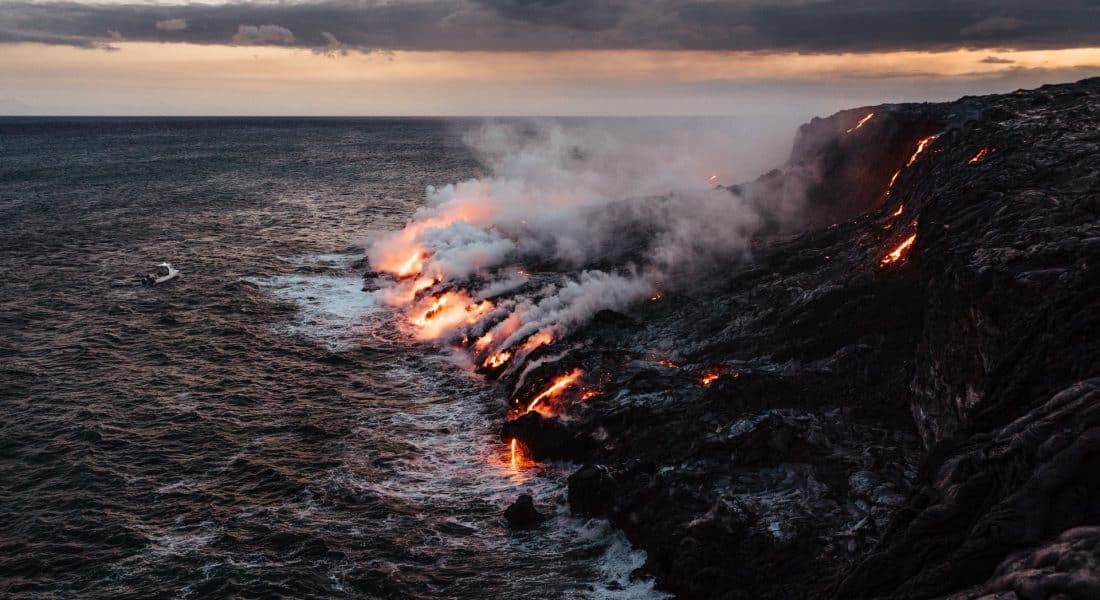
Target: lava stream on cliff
(559, 384)
(899, 253)
(921, 145)
(861, 122)
(979, 156)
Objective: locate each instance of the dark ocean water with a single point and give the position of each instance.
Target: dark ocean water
(257, 428)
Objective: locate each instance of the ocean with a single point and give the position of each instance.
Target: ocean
(258, 427)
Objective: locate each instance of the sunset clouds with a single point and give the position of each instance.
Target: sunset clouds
(825, 26)
(561, 56)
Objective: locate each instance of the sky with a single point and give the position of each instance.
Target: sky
(530, 57)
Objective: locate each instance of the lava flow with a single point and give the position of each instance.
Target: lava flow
(541, 338)
(560, 383)
(921, 145)
(411, 266)
(899, 252)
(710, 376)
(484, 341)
(497, 360)
(448, 311)
(862, 122)
(890, 185)
(979, 156)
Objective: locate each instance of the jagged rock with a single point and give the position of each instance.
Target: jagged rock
(592, 490)
(1068, 567)
(989, 495)
(522, 514)
(548, 437)
(911, 429)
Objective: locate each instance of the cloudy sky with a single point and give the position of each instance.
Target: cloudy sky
(537, 57)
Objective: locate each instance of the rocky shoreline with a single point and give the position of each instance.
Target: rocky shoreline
(828, 422)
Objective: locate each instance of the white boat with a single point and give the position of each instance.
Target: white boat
(164, 272)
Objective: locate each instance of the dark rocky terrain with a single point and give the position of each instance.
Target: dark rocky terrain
(925, 427)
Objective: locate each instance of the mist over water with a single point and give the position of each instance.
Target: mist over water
(263, 425)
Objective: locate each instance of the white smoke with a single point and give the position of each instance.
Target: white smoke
(625, 204)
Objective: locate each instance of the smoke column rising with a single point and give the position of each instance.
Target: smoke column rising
(614, 209)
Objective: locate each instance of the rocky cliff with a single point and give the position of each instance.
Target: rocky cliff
(901, 401)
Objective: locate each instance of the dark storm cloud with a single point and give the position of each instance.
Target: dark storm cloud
(777, 25)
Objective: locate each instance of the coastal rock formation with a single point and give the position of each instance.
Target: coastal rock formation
(899, 401)
(522, 513)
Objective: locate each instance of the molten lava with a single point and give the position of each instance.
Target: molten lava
(447, 312)
(668, 363)
(423, 283)
(484, 341)
(710, 376)
(921, 145)
(589, 394)
(656, 296)
(411, 266)
(890, 186)
(897, 213)
(559, 384)
(497, 360)
(515, 462)
(979, 156)
(862, 122)
(899, 252)
(541, 338)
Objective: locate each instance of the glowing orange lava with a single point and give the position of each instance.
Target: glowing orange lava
(921, 145)
(897, 213)
(899, 252)
(560, 383)
(668, 363)
(497, 360)
(862, 122)
(412, 265)
(484, 341)
(541, 338)
(589, 394)
(710, 376)
(890, 186)
(979, 156)
(656, 296)
(423, 283)
(446, 312)
(515, 462)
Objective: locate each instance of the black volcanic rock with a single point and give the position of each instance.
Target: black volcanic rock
(592, 490)
(522, 514)
(548, 437)
(927, 427)
(795, 473)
